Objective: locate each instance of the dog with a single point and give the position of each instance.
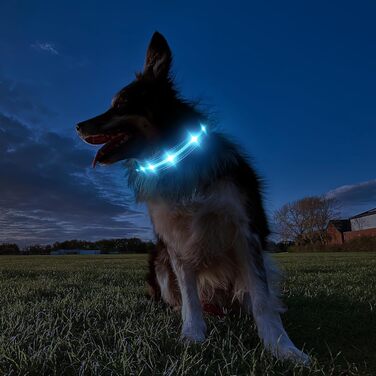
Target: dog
(204, 200)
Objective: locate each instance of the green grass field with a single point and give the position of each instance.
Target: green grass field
(86, 315)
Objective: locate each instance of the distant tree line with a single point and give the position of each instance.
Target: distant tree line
(131, 245)
(9, 249)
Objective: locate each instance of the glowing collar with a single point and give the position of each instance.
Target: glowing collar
(174, 155)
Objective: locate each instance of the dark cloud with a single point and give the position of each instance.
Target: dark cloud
(48, 193)
(19, 99)
(356, 197)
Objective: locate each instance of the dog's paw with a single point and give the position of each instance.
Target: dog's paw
(293, 354)
(193, 334)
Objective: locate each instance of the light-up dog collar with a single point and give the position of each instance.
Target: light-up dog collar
(175, 155)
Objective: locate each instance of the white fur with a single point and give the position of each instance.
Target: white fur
(163, 282)
(263, 303)
(194, 327)
(212, 248)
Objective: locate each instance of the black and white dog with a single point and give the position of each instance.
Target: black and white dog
(204, 200)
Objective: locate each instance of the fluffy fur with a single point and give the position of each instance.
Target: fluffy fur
(207, 213)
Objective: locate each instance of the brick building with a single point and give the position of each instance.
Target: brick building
(343, 230)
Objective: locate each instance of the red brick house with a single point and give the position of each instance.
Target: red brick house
(342, 230)
(335, 230)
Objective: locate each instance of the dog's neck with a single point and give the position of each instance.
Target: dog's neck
(170, 159)
(192, 176)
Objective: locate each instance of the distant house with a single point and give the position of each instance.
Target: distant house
(76, 252)
(336, 228)
(342, 230)
(364, 221)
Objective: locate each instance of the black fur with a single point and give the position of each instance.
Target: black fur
(216, 159)
(153, 97)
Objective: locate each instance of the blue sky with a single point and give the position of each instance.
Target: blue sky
(292, 82)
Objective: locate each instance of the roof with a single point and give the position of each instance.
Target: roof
(365, 214)
(341, 225)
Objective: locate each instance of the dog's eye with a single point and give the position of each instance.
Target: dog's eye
(121, 104)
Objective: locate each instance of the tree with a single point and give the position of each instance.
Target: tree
(305, 220)
(9, 249)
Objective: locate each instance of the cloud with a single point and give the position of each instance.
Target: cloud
(15, 98)
(48, 193)
(356, 197)
(45, 46)
(69, 61)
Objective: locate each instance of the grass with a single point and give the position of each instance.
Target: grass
(84, 315)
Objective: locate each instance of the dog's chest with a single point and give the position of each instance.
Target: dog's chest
(173, 222)
(215, 215)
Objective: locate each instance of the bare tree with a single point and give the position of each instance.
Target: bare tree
(305, 220)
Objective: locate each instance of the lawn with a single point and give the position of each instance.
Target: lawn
(69, 315)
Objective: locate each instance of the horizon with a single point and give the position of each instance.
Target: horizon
(272, 238)
(293, 84)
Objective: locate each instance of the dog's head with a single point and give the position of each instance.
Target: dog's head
(140, 115)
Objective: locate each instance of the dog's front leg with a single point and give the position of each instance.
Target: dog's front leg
(194, 327)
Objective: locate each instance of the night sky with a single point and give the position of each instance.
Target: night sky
(294, 83)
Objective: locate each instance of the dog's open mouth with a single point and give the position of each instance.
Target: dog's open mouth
(113, 143)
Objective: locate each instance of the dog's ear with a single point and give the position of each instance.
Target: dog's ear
(158, 57)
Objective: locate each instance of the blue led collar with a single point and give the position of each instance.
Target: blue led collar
(174, 155)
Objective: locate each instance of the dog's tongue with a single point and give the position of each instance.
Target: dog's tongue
(114, 142)
(100, 153)
(96, 159)
(98, 139)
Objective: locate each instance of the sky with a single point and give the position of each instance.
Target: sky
(292, 82)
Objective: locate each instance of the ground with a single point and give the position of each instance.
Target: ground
(87, 315)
